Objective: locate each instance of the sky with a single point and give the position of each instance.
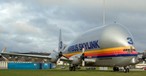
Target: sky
(33, 25)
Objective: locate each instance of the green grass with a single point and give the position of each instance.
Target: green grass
(59, 72)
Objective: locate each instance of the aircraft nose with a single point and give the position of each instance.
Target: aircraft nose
(115, 35)
(130, 50)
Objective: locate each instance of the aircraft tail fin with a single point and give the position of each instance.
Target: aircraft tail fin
(3, 50)
(61, 45)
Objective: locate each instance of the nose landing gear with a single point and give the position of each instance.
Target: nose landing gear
(126, 69)
(72, 67)
(115, 69)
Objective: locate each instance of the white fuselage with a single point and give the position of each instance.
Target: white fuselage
(110, 45)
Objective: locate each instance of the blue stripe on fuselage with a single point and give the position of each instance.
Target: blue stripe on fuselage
(119, 55)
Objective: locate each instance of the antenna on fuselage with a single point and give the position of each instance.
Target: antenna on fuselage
(103, 13)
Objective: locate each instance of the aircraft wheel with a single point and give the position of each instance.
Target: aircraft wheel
(115, 69)
(126, 69)
(74, 68)
(70, 68)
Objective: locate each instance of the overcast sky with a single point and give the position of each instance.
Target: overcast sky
(33, 25)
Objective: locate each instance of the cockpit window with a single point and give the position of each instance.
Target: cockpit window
(128, 50)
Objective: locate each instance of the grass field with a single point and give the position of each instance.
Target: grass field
(68, 73)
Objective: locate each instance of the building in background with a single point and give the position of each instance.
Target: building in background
(20, 62)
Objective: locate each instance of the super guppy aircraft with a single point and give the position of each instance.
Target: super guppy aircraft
(110, 45)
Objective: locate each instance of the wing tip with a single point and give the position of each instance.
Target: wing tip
(4, 50)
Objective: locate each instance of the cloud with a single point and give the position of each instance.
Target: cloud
(126, 5)
(24, 28)
(70, 2)
(34, 25)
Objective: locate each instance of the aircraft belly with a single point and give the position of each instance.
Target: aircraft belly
(113, 61)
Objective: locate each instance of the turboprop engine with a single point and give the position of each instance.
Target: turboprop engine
(76, 59)
(54, 57)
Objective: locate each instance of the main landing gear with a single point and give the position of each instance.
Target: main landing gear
(115, 69)
(125, 69)
(72, 67)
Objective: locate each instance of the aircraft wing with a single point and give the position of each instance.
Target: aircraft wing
(90, 60)
(86, 60)
(26, 55)
(70, 60)
(65, 59)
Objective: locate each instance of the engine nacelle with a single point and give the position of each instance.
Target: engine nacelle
(76, 59)
(54, 57)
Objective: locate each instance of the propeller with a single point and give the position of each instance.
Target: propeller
(83, 57)
(144, 57)
(58, 55)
